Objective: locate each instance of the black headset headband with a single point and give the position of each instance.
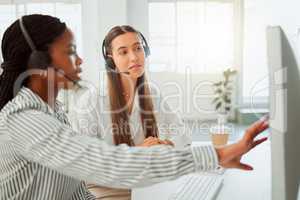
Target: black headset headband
(37, 59)
(26, 35)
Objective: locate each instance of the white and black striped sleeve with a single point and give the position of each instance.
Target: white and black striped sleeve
(42, 138)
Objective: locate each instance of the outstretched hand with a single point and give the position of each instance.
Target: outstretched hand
(230, 156)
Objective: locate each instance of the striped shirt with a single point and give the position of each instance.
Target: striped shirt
(42, 158)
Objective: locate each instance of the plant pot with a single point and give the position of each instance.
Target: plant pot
(219, 140)
(219, 135)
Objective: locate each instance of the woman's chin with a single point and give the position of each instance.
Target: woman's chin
(137, 73)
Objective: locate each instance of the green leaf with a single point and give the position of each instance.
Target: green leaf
(218, 83)
(227, 100)
(218, 105)
(219, 91)
(215, 99)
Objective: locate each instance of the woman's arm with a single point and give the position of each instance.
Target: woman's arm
(43, 139)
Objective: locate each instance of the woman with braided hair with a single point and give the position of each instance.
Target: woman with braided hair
(43, 158)
(16, 51)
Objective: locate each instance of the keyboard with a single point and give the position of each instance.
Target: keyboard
(198, 187)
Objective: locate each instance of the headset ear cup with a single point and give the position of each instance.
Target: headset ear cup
(145, 45)
(39, 60)
(147, 51)
(109, 63)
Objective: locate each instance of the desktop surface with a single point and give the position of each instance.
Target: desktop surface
(237, 184)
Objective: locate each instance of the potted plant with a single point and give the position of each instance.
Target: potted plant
(222, 101)
(223, 92)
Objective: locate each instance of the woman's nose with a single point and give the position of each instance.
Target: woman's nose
(133, 56)
(78, 60)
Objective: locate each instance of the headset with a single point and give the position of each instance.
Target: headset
(40, 59)
(109, 63)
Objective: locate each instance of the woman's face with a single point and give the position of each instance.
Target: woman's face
(65, 59)
(128, 54)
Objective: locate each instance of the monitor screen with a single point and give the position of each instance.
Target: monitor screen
(284, 114)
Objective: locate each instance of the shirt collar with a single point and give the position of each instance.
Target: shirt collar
(35, 100)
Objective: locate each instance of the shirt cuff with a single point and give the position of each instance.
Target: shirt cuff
(205, 158)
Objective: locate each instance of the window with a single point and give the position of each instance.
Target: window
(191, 34)
(69, 12)
(255, 67)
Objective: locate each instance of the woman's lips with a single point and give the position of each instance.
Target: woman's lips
(78, 73)
(135, 66)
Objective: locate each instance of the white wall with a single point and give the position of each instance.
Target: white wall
(91, 40)
(98, 18)
(138, 15)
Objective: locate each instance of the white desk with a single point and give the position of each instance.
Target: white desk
(237, 185)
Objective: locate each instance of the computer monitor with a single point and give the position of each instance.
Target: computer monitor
(284, 114)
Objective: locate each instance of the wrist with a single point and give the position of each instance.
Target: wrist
(229, 152)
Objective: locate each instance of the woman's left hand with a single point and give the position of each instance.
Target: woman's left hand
(166, 142)
(151, 141)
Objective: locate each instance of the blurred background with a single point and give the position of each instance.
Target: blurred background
(192, 43)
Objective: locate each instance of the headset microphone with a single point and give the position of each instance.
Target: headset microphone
(61, 72)
(117, 72)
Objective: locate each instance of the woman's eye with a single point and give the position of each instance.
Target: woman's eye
(72, 52)
(124, 52)
(139, 48)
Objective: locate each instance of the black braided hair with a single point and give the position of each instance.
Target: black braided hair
(43, 30)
